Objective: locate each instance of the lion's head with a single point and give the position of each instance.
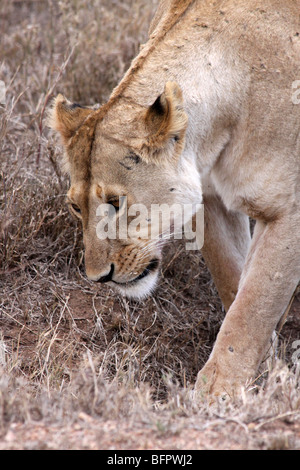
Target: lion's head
(117, 156)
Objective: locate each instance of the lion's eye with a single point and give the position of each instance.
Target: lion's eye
(75, 208)
(114, 202)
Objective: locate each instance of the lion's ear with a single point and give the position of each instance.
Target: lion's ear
(166, 118)
(66, 117)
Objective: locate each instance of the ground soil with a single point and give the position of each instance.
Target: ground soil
(281, 432)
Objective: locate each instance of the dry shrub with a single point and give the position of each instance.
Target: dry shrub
(90, 403)
(108, 35)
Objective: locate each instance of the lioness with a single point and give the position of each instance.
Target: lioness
(208, 101)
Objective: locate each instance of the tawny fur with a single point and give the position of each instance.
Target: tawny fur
(209, 98)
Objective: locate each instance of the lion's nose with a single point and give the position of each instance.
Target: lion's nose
(107, 277)
(99, 277)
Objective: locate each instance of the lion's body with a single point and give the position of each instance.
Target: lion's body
(236, 128)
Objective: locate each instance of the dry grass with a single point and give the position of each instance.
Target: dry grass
(72, 354)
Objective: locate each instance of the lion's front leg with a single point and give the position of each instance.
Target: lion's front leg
(270, 276)
(226, 243)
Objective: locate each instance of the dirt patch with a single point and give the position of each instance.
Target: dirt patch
(187, 434)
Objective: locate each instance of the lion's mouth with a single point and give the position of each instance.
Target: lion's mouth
(139, 287)
(152, 266)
